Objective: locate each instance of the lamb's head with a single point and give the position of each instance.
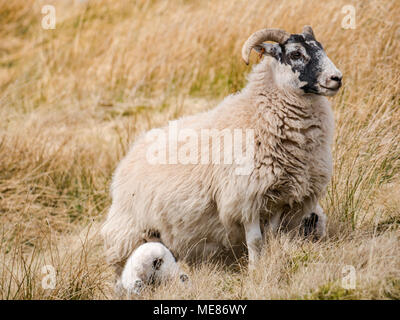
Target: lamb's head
(300, 62)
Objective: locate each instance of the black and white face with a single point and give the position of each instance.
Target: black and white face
(303, 65)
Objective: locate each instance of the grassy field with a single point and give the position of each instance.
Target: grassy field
(74, 98)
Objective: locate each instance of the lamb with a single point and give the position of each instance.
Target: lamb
(150, 263)
(210, 209)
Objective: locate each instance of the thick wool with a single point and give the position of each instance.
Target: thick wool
(199, 209)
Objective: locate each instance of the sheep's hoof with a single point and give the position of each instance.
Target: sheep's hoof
(309, 226)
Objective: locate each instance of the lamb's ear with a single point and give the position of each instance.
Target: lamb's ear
(270, 49)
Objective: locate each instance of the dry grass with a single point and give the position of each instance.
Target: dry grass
(73, 99)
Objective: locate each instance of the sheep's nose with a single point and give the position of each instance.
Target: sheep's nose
(334, 82)
(337, 78)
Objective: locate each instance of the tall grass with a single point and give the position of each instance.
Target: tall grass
(73, 99)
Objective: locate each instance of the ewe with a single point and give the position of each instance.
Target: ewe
(203, 209)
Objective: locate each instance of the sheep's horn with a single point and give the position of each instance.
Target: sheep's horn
(260, 36)
(308, 30)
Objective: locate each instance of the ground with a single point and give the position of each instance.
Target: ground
(75, 97)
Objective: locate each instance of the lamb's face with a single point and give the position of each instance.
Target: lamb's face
(312, 70)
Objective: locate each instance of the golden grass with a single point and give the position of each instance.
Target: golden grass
(73, 99)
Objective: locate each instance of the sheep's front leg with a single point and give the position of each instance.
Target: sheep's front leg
(253, 240)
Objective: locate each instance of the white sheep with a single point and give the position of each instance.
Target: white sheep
(204, 209)
(150, 263)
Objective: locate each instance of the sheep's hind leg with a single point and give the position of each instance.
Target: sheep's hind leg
(253, 240)
(314, 224)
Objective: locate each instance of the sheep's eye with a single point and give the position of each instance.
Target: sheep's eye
(295, 55)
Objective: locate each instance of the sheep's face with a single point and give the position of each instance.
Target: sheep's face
(303, 66)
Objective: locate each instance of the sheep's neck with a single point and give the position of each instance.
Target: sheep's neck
(289, 129)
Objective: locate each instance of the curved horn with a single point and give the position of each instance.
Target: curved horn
(260, 36)
(308, 30)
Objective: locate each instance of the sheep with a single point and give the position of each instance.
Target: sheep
(207, 209)
(150, 263)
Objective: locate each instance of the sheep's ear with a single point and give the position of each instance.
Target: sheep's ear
(269, 49)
